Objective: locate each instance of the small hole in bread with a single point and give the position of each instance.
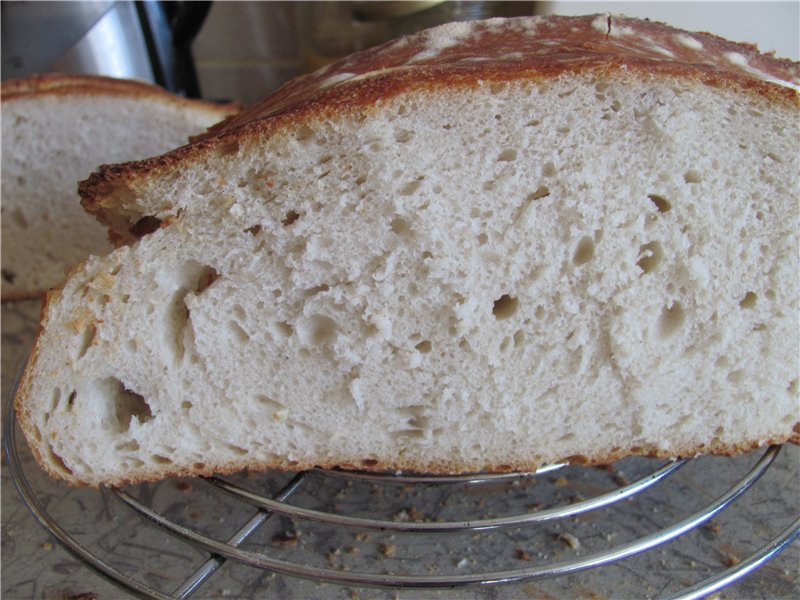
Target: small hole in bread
(58, 464)
(584, 252)
(145, 226)
(504, 307)
(662, 204)
(541, 192)
(650, 256)
(507, 155)
(692, 176)
(400, 226)
(290, 218)
(671, 320)
(423, 347)
(403, 135)
(409, 188)
(749, 300)
(161, 460)
(317, 330)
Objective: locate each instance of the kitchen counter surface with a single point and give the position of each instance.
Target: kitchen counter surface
(34, 565)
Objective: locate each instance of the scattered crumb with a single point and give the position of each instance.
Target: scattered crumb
(354, 594)
(352, 551)
(620, 479)
(561, 481)
(184, 486)
(47, 546)
(332, 555)
(362, 536)
(388, 549)
(714, 526)
(462, 564)
(731, 560)
(287, 538)
(570, 540)
(522, 555)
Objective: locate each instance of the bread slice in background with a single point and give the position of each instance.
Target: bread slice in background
(56, 129)
(488, 246)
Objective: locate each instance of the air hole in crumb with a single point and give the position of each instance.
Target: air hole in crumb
(749, 300)
(692, 176)
(584, 252)
(240, 334)
(504, 307)
(770, 295)
(736, 376)
(316, 330)
(127, 405)
(541, 192)
(86, 340)
(71, 400)
(161, 460)
(519, 338)
(794, 386)
(403, 136)
(58, 463)
(254, 230)
(662, 204)
(304, 132)
(400, 226)
(482, 238)
(369, 462)
(424, 347)
(409, 188)
(360, 180)
(549, 170)
(650, 256)
(507, 155)
(207, 276)
(146, 225)
(671, 320)
(533, 123)
(186, 405)
(291, 217)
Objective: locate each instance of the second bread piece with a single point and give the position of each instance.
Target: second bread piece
(56, 129)
(488, 246)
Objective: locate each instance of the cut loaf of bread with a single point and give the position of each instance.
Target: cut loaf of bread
(487, 246)
(56, 129)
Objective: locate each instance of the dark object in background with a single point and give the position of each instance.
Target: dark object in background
(150, 41)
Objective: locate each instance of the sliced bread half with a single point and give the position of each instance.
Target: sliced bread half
(488, 246)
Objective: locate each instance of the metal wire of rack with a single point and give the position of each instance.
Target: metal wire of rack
(220, 551)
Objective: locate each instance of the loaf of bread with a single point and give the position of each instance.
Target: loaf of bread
(56, 129)
(485, 247)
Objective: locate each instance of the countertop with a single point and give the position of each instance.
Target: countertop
(34, 565)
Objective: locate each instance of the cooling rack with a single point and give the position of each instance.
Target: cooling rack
(555, 521)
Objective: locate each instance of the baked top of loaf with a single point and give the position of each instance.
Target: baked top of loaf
(466, 54)
(57, 128)
(485, 247)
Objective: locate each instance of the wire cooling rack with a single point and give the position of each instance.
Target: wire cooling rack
(558, 499)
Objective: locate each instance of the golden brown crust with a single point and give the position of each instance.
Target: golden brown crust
(59, 84)
(464, 56)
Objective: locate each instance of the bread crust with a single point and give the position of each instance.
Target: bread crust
(531, 49)
(60, 84)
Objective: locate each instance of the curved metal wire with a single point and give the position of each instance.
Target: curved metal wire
(596, 559)
(541, 516)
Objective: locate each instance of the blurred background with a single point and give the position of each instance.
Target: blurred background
(244, 50)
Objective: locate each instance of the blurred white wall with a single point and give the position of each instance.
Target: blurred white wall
(769, 25)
